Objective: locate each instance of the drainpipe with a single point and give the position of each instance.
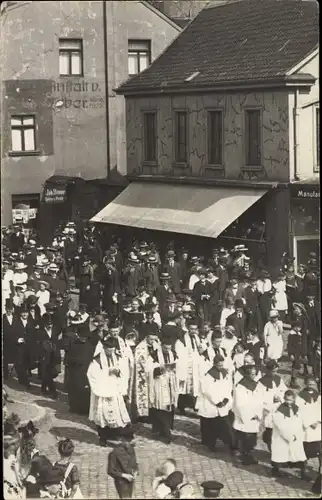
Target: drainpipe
(107, 117)
(296, 176)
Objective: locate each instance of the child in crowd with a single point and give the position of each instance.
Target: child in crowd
(297, 352)
(122, 465)
(70, 474)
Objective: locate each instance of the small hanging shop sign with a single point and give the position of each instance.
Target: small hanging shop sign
(54, 194)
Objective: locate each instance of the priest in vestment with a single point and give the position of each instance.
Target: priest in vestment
(143, 361)
(107, 407)
(163, 389)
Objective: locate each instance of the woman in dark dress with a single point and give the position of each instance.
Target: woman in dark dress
(78, 357)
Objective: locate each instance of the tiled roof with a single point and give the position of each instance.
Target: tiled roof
(181, 22)
(247, 40)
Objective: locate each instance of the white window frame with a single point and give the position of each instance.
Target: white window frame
(301, 238)
(316, 159)
(70, 53)
(22, 128)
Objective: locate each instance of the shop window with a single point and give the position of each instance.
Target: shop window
(317, 140)
(215, 137)
(70, 57)
(25, 209)
(23, 133)
(253, 138)
(303, 246)
(150, 137)
(139, 56)
(306, 218)
(181, 137)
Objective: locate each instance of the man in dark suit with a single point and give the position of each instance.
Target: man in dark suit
(201, 294)
(184, 269)
(252, 295)
(20, 330)
(238, 320)
(49, 355)
(173, 268)
(131, 276)
(163, 291)
(9, 346)
(223, 276)
(151, 275)
(17, 239)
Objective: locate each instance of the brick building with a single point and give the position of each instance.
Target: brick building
(60, 61)
(223, 132)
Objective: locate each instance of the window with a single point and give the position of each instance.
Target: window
(181, 136)
(139, 55)
(215, 137)
(23, 133)
(253, 138)
(317, 140)
(150, 137)
(70, 57)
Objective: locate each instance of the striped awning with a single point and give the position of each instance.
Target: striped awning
(202, 211)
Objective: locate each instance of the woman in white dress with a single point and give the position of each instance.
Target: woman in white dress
(43, 296)
(280, 297)
(273, 336)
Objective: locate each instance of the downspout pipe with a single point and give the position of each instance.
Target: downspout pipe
(296, 176)
(107, 116)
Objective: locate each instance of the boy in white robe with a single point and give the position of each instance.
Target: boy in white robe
(288, 437)
(272, 389)
(309, 402)
(107, 407)
(214, 404)
(247, 408)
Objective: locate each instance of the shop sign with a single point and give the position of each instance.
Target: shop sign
(305, 192)
(55, 194)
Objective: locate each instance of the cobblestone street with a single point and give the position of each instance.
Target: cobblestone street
(197, 463)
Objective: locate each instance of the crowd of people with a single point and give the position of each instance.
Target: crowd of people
(154, 335)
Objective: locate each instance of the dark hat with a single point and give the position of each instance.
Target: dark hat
(217, 333)
(28, 430)
(82, 305)
(170, 254)
(239, 304)
(115, 323)
(167, 339)
(9, 304)
(50, 475)
(172, 299)
(23, 308)
(143, 244)
(31, 300)
(127, 433)
(165, 276)
(110, 342)
(173, 480)
(211, 489)
(271, 364)
(252, 277)
(47, 319)
(99, 320)
(50, 307)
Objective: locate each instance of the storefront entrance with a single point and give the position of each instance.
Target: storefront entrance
(25, 211)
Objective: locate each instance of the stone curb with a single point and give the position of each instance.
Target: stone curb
(41, 412)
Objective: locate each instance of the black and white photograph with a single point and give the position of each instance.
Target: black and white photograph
(160, 249)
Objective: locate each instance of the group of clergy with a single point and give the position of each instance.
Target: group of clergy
(232, 395)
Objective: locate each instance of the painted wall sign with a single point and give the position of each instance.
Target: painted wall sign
(79, 94)
(54, 194)
(308, 192)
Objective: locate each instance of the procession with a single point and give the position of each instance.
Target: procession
(153, 336)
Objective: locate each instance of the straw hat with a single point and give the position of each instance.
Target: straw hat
(20, 266)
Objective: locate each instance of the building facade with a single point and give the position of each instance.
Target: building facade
(60, 114)
(235, 131)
